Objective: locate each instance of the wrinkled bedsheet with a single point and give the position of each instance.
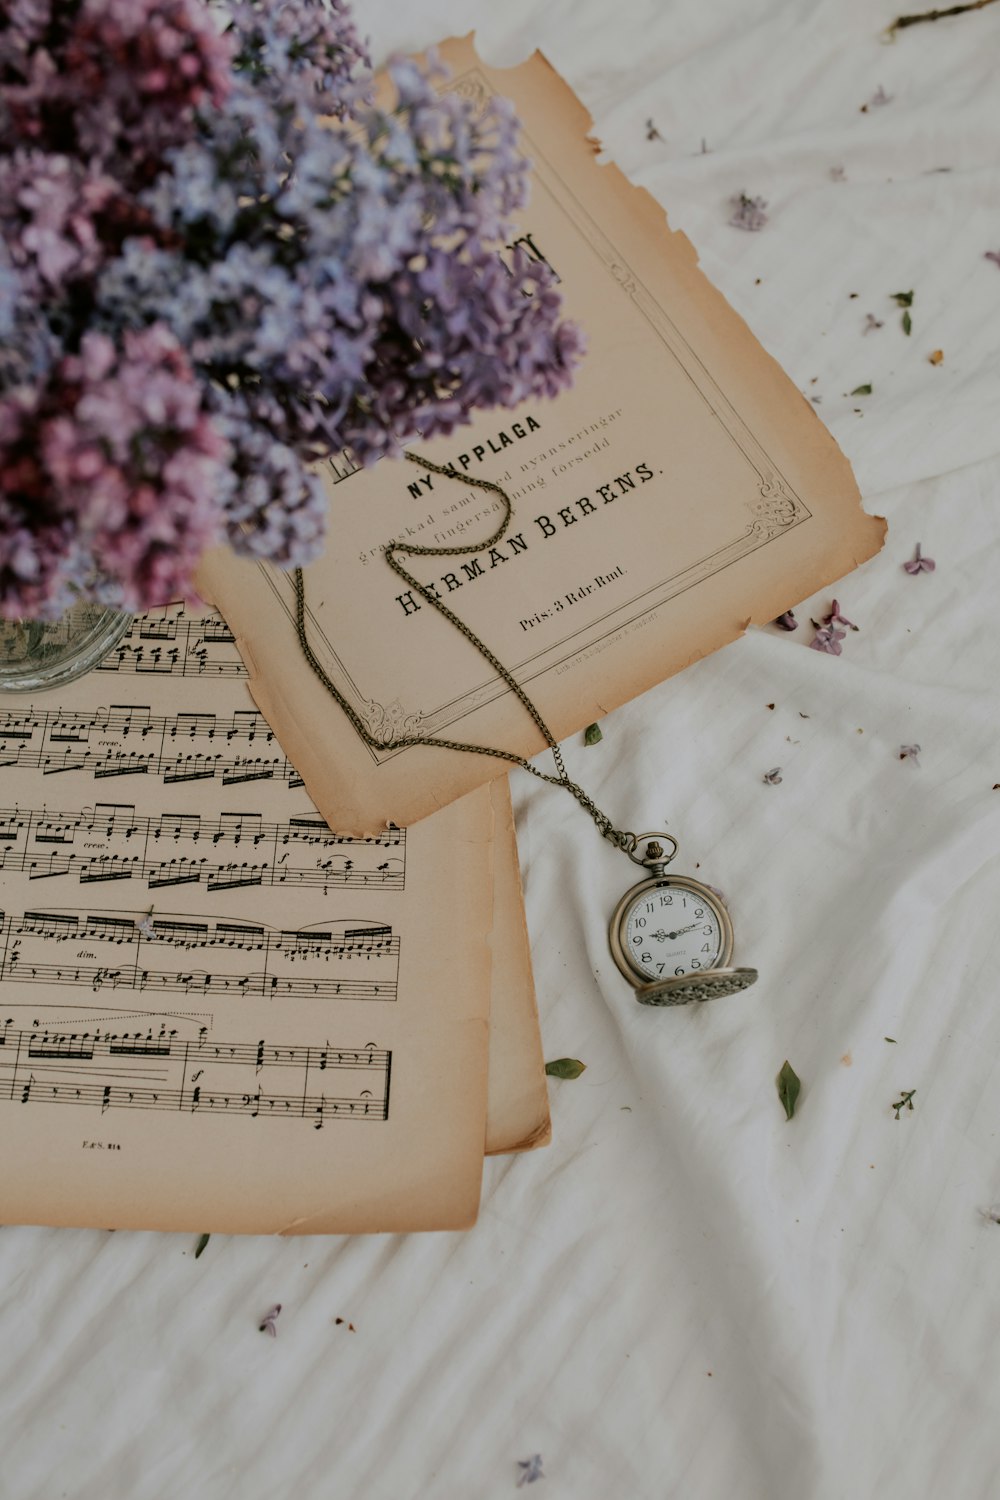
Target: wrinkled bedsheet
(685, 1295)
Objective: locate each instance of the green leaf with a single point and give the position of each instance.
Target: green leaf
(889, 1039)
(592, 734)
(565, 1067)
(203, 1240)
(905, 299)
(907, 323)
(862, 390)
(788, 1088)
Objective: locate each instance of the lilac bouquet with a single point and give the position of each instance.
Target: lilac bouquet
(221, 263)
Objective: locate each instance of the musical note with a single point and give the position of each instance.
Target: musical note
(176, 645)
(110, 1079)
(103, 745)
(112, 842)
(313, 962)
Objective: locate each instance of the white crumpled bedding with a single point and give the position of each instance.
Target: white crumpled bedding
(685, 1295)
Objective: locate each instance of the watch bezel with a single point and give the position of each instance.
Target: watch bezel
(619, 951)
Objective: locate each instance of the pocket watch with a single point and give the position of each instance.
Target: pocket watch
(671, 936)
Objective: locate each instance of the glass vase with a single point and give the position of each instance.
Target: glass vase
(40, 654)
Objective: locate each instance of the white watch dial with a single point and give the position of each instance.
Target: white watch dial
(671, 930)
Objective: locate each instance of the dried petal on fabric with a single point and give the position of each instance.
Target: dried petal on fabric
(531, 1469)
(268, 1323)
(827, 639)
(918, 563)
(748, 213)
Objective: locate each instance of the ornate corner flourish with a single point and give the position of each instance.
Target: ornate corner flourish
(388, 722)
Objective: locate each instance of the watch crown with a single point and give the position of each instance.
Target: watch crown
(654, 850)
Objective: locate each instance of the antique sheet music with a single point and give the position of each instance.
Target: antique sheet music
(178, 644)
(681, 490)
(217, 1014)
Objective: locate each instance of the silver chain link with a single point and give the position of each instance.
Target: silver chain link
(620, 838)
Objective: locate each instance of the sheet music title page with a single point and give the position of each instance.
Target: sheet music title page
(681, 489)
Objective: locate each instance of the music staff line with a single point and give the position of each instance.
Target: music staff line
(55, 742)
(98, 1070)
(21, 964)
(176, 646)
(39, 844)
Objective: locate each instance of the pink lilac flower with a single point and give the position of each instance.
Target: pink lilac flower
(787, 621)
(993, 255)
(919, 564)
(118, 461)
(114, 80)
(49, 211)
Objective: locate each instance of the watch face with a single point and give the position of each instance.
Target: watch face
(668, 927)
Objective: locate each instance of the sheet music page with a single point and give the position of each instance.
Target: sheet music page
(683, 489)
(215, 1013)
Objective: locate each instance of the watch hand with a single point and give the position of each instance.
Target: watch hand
(681, 930)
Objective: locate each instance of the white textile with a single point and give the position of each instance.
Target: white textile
(685, 1295)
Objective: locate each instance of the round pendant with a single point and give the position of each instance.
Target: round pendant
(672, 938)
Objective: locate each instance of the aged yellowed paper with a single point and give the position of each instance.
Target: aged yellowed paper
(215, 1013)
(517, 1101)
(170, 647)
(681, 490)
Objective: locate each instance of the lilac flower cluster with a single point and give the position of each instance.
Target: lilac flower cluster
(115, 459)
(221, 263)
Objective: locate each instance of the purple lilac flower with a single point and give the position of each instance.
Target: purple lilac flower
(828, 639)
(206, 287)
(993, 255)
(919, 564)
(748, 213)
(787, 621)
(316, 47)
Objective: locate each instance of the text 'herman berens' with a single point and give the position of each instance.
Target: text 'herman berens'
(548, 527)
